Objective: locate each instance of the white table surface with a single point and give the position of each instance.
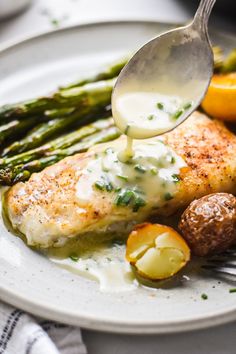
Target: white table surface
(39, 17)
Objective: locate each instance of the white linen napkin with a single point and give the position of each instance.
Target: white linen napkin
(21, 333)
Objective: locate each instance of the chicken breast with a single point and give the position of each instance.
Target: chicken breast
(61, 202)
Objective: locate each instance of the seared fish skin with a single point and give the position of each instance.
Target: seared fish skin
(48, 212)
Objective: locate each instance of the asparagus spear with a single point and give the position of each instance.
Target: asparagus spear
(100, 137)
(108, 73)
(44, 131)
(97, 94)
(15, 127)
(62, 142)
(22, 172)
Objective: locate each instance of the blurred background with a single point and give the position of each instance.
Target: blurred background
(34, 16)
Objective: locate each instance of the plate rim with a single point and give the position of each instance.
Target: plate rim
(21, 39)
(89, 321)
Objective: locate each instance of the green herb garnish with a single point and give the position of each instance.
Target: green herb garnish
(187, 105)
(130, 197)
(138, 203)
(124, 178)
(176, 178)
(178, 113)
(233, 290)
(160, 105)
(172, 160)
(140, 168)
(124, 198)
(104, 185)
(168, 196)
(99, 185)
(204, 296)
(154, 171)
(127, 129)
(55, 22)
(74, 257)
(151, 117)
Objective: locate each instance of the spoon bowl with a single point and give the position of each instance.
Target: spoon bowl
(178, 63)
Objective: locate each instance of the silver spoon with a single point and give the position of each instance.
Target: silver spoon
(178, 62)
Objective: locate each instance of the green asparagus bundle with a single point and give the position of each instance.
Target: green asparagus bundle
(44, 131)
(22, 171)
(108, 73)
(59, 143)
(97, 94)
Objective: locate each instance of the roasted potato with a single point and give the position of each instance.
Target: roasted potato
(156, 251)
(209, 224)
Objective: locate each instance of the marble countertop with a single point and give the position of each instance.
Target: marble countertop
(48, 14)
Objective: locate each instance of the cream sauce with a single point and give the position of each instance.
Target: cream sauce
(150, 176)
(106, 265)
(142, 115)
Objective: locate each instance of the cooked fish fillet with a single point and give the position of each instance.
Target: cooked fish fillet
(47, 210)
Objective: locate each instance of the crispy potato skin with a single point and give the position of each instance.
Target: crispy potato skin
(47, 210)
(209, 224)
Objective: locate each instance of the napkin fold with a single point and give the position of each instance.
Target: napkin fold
(21, 333)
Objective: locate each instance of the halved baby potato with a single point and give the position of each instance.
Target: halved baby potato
(156, 251)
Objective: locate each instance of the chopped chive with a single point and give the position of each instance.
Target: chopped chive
(55, 22)
(138, 203)
(172, 160)
(178, 113)
(104, 185)
(140, 168)
(204, 296)
(109, 187)
(151, 117)
(154, 171)
(176, 178)
(233, 290)
(127, 128)
(74, 257)
(124, 198)
(99, 185)
(124, 178)
(109, 259)
(168, 196)
(118, 189)
(187, 105)
(131, 198)
(160, 105)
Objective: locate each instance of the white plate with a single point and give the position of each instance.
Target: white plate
(31, 282)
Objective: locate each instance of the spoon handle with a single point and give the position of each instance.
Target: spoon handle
(203, 12)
